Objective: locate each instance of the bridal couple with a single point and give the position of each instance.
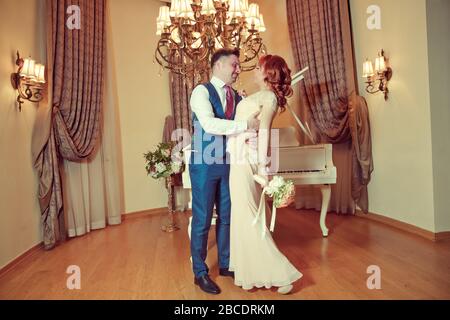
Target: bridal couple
(222, 118)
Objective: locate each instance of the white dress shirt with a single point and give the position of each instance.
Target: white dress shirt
(203, 109)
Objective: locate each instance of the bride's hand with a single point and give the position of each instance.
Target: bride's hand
(262, 177)
(262, 180)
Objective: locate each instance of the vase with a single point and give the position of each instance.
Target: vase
(169, 224)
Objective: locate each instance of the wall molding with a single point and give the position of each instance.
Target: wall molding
(143, 213)
(433, 236)
(440, 236)
(26, 255)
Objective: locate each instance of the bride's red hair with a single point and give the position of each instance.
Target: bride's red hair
(278, 77)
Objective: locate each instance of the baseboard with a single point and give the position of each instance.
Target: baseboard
(27, 254)
(440, 236)
(144, 213)
(404, 226)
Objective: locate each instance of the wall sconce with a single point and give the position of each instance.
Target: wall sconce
(383, 73)
(29, 80)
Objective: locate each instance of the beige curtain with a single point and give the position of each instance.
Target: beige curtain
(92, 187)
(320, 33)
(70, 127)
(180, 92)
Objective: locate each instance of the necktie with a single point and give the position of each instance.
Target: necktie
(230, 102)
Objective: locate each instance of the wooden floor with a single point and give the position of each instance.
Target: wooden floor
(138, 261)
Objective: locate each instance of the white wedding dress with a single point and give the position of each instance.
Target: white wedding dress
(254, 256)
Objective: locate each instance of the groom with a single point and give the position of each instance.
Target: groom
(213, 109)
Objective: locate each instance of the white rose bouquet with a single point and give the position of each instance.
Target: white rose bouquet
(281, 191)
(163, 162)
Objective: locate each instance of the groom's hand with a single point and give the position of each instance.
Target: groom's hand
(242, 93)
(253, 122)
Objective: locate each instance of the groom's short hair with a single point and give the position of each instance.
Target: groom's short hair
(223, 53)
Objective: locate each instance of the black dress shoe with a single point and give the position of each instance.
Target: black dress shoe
(206, 284)
(226, 273)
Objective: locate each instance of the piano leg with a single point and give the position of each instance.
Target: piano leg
(326, 194)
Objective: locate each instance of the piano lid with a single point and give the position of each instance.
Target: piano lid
(296, 78)
(287, 137)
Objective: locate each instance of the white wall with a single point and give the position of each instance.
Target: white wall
(144, 98)
(438, 23)
(19, 208)
(402, 182)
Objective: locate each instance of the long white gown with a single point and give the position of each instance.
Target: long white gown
(255, 259)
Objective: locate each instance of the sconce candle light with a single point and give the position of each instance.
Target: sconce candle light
(383, 74)
(29, 80)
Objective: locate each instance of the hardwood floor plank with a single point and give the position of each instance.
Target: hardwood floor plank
(136, 260)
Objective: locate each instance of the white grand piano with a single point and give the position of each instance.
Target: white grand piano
(304, 165)
(308, 165)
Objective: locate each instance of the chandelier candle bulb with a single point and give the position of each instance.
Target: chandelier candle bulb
(208, 7)
(253, 16)
(244, 7)
(235, 10)
(37, 69)
(380, 64)
(185, 10)
(367, 69)
(175, 8)
(262, 26)
(253, 11)
(159, 27)
(41, 74)
(31, 67)
(164, 16)
(25, 67)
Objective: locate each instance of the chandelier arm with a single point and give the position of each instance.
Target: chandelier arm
(170, 65)
(168, 61)
(238, 45)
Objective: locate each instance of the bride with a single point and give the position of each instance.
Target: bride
(254, 257)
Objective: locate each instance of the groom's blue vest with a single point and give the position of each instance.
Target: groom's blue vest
(209, 172)
(209, 148)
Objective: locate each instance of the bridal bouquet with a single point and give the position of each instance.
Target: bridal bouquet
(282, 191)
(283, 194)
(163, 162)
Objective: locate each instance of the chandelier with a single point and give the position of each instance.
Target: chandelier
(191, 30)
